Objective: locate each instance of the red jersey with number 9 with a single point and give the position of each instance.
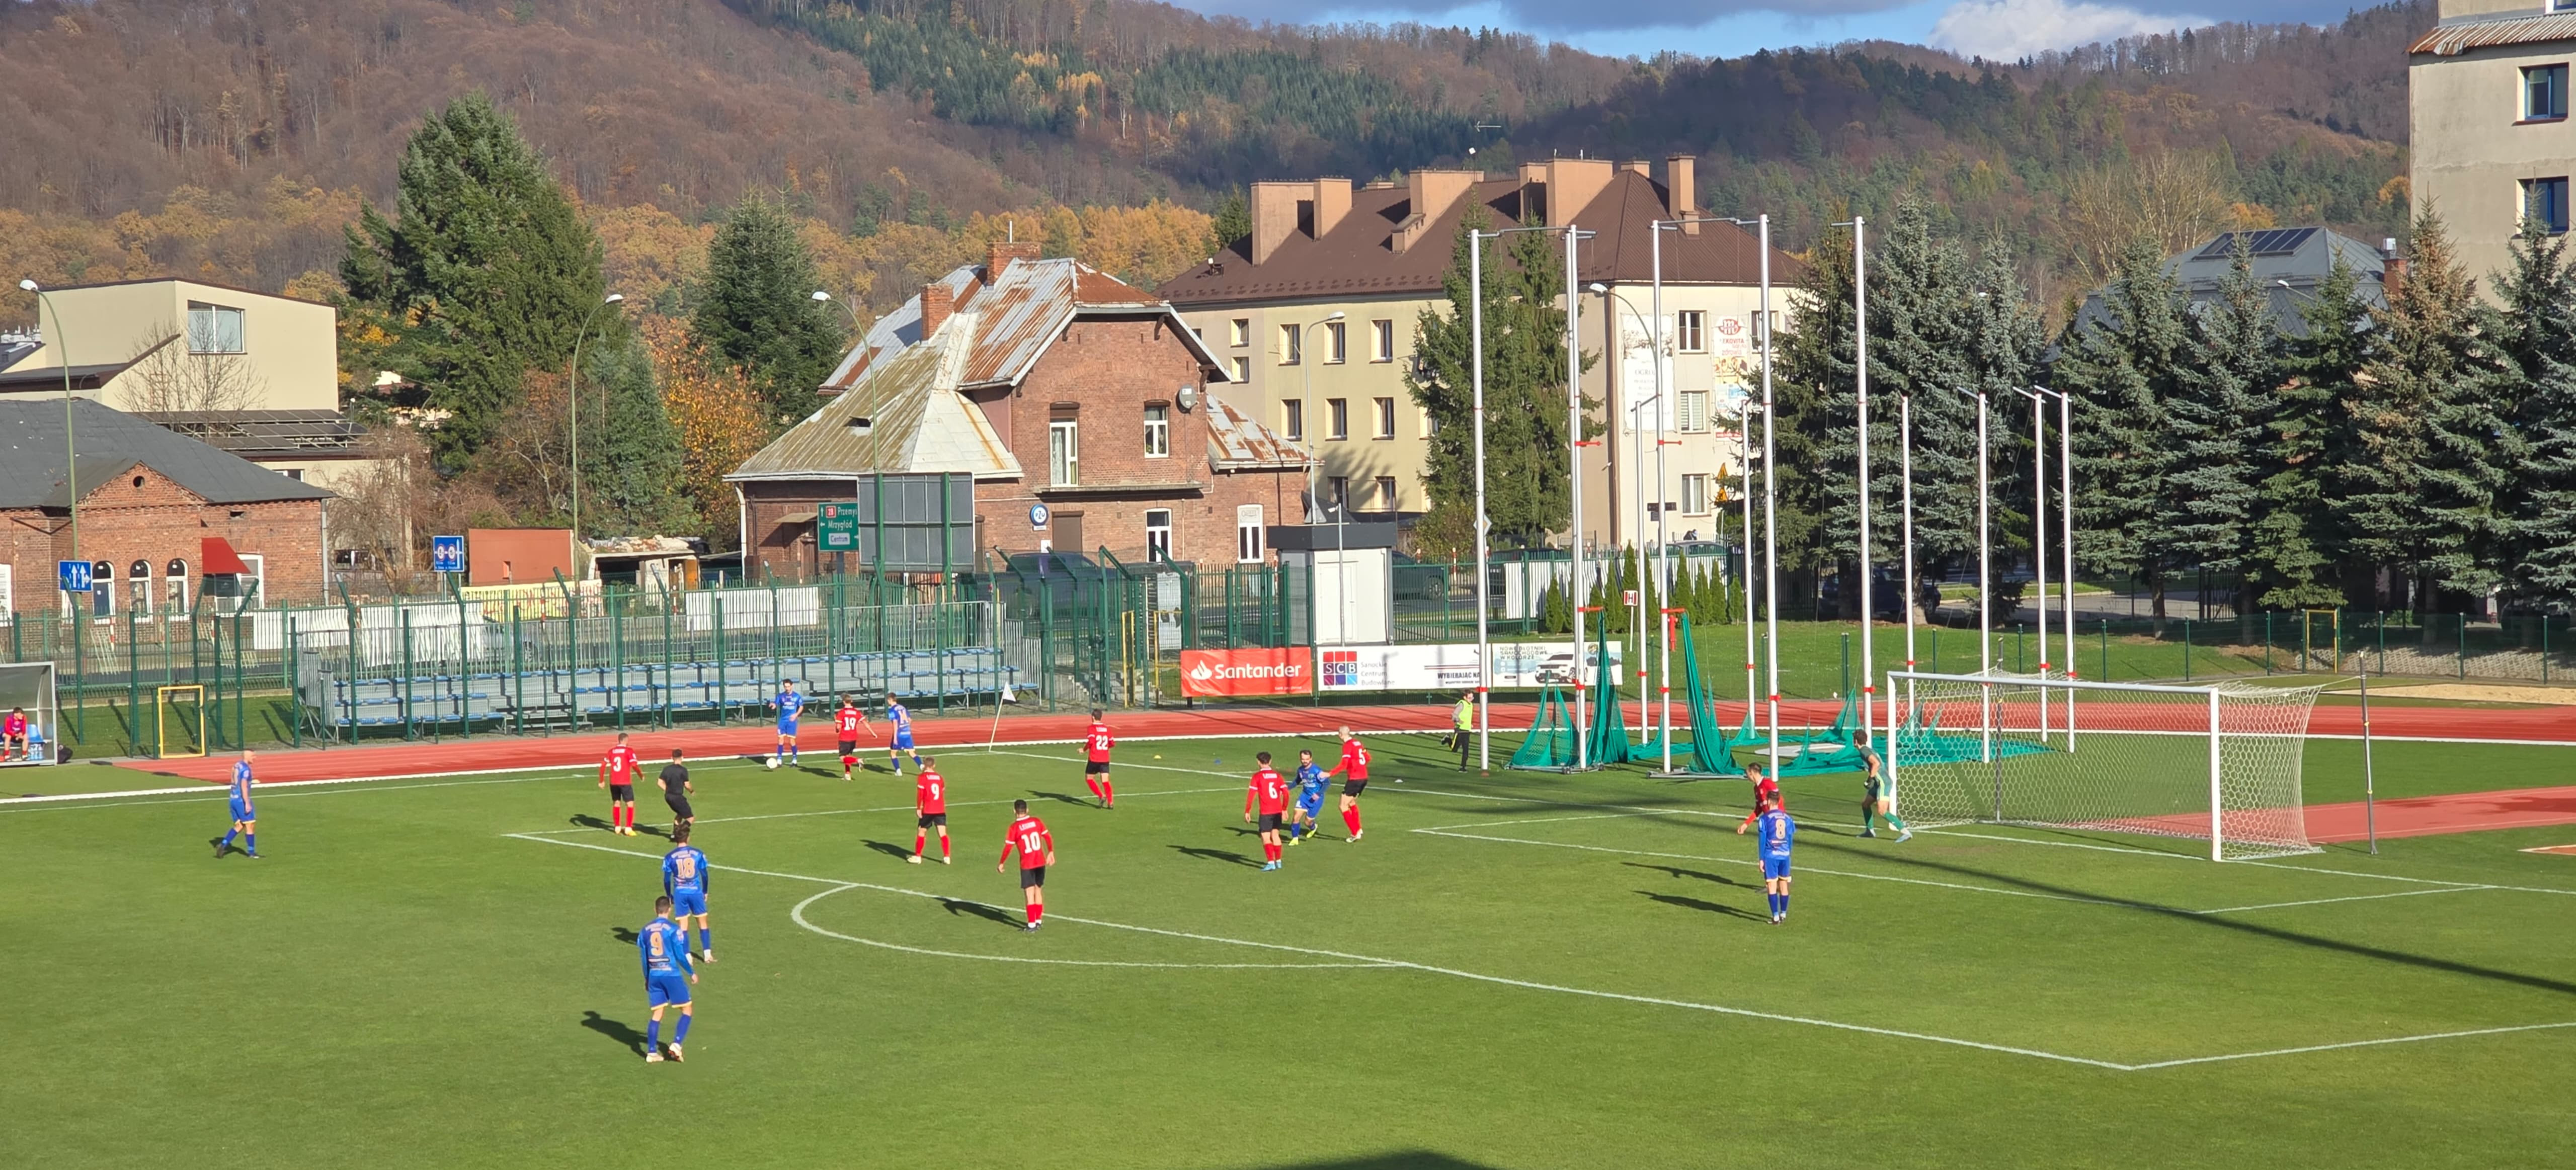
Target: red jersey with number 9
(1100, 741)
(846, 720)
(1269, 791)
(930, 793)
(621, 764)
(1028, 835)
(1354, 759)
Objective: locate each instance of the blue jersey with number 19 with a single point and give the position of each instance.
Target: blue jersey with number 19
(684, 869)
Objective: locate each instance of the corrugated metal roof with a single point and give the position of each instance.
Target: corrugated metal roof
(2453, 40)
(1015, 316)
(1239, 443)
(917, 423)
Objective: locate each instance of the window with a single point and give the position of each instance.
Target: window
(2544, 93)
(2546, 200)
(1292, 416)
(1158, 431)
(254, 584)
(1243, 369)
(1337, 418)
(1238, 332)
(1691, 411)
(1292, 345)
(1247, 534)
(1694, 495)
(1339, 499)
(102, 590)
(1385, 418)
(1386, 493)
(214, 329)
(1381, 341)
(293, 473)
(1337, 337)
(1197, 332)
(174, 590)
(1064, 452)
(138, 589)
(1158, 534)
(1690, 331)
(8, 596)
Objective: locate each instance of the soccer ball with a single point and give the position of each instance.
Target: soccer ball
(771, 763)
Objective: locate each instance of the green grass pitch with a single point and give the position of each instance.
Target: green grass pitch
(1514, 971)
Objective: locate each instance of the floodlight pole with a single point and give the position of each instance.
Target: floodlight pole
(1985, 594)
(71, 440)
(2039, 532)
(1476, 363)
(2065, 545)
(1905, 472)
(1574, 464)
(1744, 581)
(1770, 504)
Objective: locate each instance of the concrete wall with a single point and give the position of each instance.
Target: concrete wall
(157, 522)
(2460, 9)
(2472, 150)
(291, 358)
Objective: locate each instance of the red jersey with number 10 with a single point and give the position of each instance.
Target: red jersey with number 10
(1354, 760)
(1029, 835)
(846, 721)
(930, 794)
(1269, 791)
(620, 764)
(1099, 741)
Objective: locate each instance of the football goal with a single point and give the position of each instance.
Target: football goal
(2218, 763)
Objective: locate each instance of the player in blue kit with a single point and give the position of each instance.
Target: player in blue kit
(1774, 832)
(665, 948)
(901, 745)
(789, 703)
(245, 819)
(1312, 779)
(684, 878)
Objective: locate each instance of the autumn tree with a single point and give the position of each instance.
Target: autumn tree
(715, 413)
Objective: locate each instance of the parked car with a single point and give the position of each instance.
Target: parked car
(1426, 580)
(1886, 595)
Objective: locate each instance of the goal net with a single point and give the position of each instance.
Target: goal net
(2218, 763)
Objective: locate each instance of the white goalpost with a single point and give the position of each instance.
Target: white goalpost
(2218, 763)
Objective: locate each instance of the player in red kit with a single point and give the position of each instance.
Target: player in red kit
(1095, 770)
(1766, 793)
(1037, 851)
(845, 726)
(930, 799)
(617, 775)
(1269, 793)
(1354, 772)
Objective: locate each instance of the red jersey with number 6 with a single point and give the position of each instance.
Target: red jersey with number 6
(1099, 741)
(620, 764)
(930, 794)
(846, 721)
(1354, 760)
(1269, 791)
(1029, 835)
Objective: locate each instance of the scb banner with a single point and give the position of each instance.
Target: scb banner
(1286, 670)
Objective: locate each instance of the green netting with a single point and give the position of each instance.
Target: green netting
(1706, 750)
(1550, 743)
(1609, 738)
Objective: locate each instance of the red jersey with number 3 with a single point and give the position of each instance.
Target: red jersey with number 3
(1099, 741)
(930, 794)
(1269, 791)
(846, 721)
(621, 764)
(1028, 835)
(1354, 760)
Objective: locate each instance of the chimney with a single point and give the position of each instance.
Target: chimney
(999, 254)
(1430, 195)
(1638, 167)
(1681, 190)
(1533, 194)
(1332, 202)
(937, 302)
(2392, 273)
(1274, 215)
(1572, 184)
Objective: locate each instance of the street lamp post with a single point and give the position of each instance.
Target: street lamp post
(71, 443)
(1341, 507)
(572, 377)
(857, 329)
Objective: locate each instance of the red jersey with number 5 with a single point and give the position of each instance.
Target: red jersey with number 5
(930, 794)
(1269, 791)
(621, 764)
(1029, 835)
(846, 721)
(1099, 741)
(1354, 760)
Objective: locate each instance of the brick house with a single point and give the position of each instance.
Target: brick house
(1079, 405)
(164, 519)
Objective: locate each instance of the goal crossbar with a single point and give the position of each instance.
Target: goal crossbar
(2219, 761)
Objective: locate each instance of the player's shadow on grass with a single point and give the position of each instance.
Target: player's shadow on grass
(625, 935)
(1059, 797)
(1690, 873)
(617, 1030)
(1404, 1160)
(1227, 855)
(587, 821)
(1707, 907)
(980, 910)
(890, 849)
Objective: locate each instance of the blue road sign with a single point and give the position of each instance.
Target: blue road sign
(75, 576)
(447, 554)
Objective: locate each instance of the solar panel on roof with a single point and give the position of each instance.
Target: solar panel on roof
(2267, 242)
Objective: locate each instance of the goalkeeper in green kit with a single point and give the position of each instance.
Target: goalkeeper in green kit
(1878, 796)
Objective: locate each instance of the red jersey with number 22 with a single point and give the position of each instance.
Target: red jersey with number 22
(930, 793)
(1028, 835)
(621, 764)
(1099, 741)
(846, 721)
(1269, 791)
(1354, 760)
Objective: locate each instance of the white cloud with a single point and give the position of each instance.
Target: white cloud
(2002, 30)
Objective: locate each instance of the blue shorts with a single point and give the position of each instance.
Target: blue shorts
(786, 727)
(1775, 868)
(1310, 806)
(243, 812)
(902, 742)
(666, 989)
(688, 902)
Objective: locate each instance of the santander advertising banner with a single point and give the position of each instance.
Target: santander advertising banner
(1286, 670)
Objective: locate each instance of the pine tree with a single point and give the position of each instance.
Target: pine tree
(2121, 367)
(636, 487)
(756, 309)
(487, 264)
(2217, 418)
(2532, 333)
(1233, 223)
(2296, 539)
(2414, 501)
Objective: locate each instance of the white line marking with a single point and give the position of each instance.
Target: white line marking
(2353, 898)
(1802, 869)
(2398, 878)
(797, 914)
(2062, 844)
(200, 796)
(217, 787)
(894, 808)
(2347, 1044)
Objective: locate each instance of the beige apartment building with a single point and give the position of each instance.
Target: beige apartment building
(1316, 313)
(2491, 139)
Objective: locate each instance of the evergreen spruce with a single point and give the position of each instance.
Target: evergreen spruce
(756, 308)
(2402, 500)
(2121, 368)
(632, 468)
(2217, 420)
(2296, 540)
(2532, 333)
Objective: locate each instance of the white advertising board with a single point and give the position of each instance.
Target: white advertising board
(1448, 666)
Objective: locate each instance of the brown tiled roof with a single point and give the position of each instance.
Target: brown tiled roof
(1358, 258)
(2451, 40)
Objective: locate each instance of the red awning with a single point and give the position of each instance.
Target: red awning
(217, 557)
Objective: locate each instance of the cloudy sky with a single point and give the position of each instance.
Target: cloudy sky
(2001, 29)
